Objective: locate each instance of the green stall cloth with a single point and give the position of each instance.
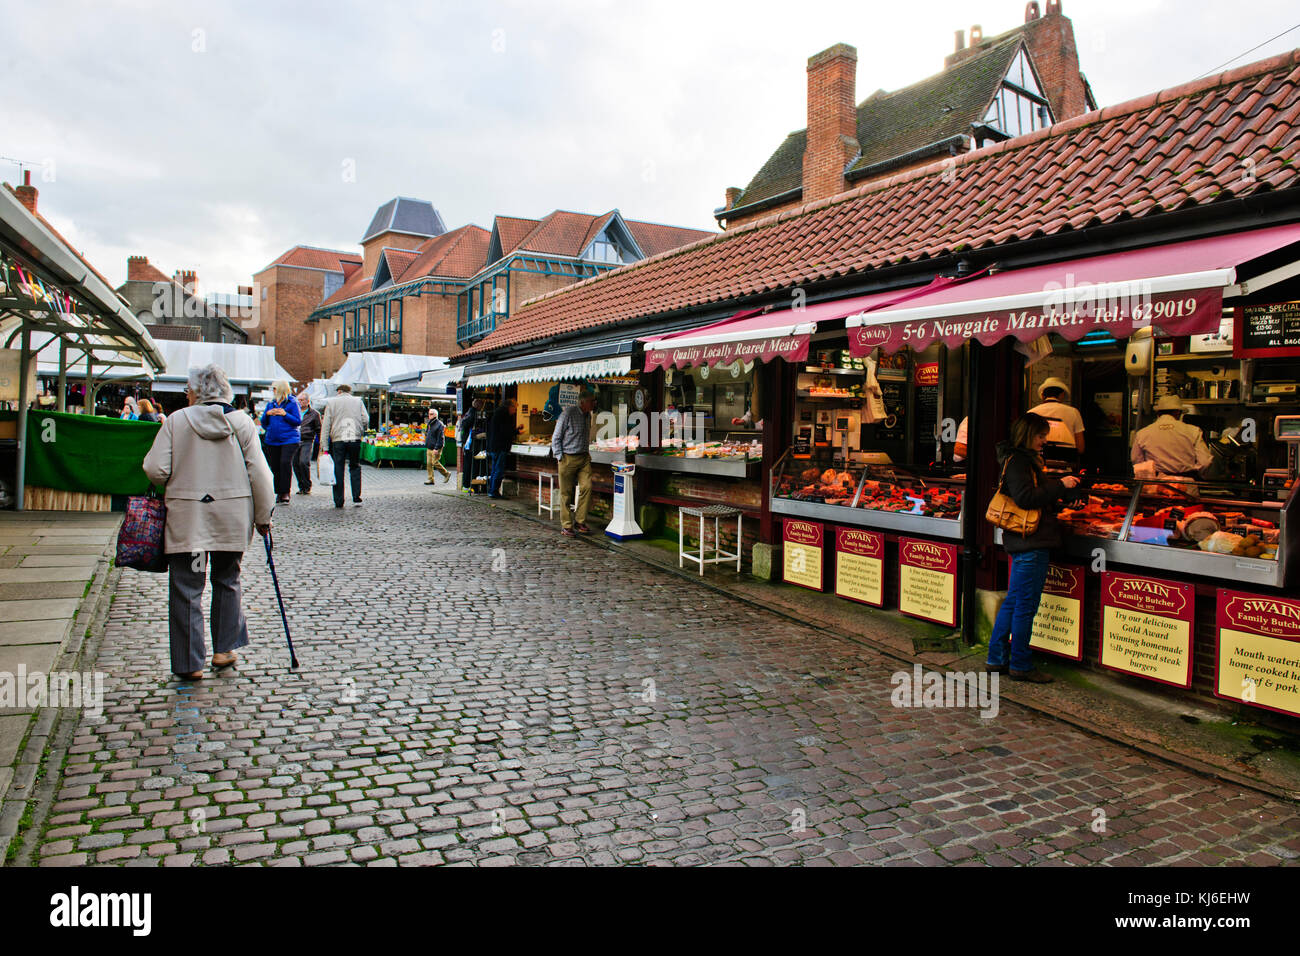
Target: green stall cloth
(376, 454)
(88, 453)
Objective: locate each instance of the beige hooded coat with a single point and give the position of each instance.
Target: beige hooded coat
(219, 486)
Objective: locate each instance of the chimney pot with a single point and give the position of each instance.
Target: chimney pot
(1031, 11)
(1053, 8)
(961, 41)
(976, 35)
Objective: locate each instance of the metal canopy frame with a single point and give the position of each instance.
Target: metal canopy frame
(48, 289)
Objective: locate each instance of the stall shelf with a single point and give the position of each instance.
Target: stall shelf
(530, 450)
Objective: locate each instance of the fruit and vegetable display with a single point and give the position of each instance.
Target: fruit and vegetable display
(397, 436)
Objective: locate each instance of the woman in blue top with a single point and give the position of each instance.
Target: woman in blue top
(281, 419)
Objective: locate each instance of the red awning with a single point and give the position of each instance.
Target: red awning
(1177, 288)
(752, 335)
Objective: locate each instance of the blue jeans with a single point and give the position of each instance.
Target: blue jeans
(1015, 620)
(498, 471)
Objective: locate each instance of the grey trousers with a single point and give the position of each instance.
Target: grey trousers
(185, 608)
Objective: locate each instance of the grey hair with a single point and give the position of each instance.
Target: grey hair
(209, 384)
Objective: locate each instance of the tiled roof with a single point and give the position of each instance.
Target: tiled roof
(398, 260)
(893, 124)
(561, 233)
(512, 230)
(310, 257)
(654, 238)
(456, 255)
(356, 284)
(1223, 137)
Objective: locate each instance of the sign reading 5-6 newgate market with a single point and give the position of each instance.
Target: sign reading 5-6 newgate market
(1258, 659)
(927, 580)
(803, 542)
(1146, 627)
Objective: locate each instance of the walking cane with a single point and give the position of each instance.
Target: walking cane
(293, 658)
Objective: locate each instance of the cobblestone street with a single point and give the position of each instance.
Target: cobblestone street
(476, 689)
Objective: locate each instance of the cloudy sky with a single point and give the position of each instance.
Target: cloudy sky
(215, 136)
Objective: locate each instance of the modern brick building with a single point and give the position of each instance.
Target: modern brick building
(286, 293)
(991, 89)
(162, 301)
(420, 289)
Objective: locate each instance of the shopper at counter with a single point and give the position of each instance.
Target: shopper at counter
(1025, 481)
(1171, 445)
(501, 435)
(1055, 407)
(571, 443)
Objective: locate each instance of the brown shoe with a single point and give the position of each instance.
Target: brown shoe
(581, 529)
(568, 532)
(1034, 676)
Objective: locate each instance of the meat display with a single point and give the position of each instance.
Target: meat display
(834, 487)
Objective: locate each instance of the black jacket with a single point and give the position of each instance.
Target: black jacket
(1026, 484)
(434, 433)
(501, 431)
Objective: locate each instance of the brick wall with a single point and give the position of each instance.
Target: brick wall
(291, 295)
(371, 249)
(832, 121)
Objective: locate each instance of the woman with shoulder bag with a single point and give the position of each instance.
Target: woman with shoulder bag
(1026, 484)
(219, 489)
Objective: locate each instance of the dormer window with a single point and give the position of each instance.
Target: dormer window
(1019, 106)
(604, 249)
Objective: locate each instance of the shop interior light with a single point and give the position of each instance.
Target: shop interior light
(1096, 340)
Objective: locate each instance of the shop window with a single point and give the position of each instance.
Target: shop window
(336, 336)
(720, 397)
(322, 339)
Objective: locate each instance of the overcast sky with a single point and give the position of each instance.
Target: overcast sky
(215, 136)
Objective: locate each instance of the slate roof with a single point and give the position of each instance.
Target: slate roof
(311, 257)
(1186, 146)
(414, 216)
(893, 124)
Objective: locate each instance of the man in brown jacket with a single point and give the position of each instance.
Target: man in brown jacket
(219, 488)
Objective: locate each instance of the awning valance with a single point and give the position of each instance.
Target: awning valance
(762, 336)
(1177, 288)
(570, 371)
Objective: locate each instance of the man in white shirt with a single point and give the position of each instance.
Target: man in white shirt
(1067, 423)
(1172, 445)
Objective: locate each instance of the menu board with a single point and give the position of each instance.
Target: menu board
(927, 580)
(860, 566)
(891, 429)
(1058, 626)
(925, 400)
(1267, 331)
(1146, 627)
(1258, 657)
(802, 553)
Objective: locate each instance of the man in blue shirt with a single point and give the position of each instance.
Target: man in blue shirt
(571, 444)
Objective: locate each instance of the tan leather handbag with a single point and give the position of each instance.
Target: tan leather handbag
(1004, 513)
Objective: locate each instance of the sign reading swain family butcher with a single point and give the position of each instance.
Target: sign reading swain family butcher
(1258, 659)
(802, 553)
(1146, 627)
(792, 348)
(927, 580)
(860, 566)
(1058, 626)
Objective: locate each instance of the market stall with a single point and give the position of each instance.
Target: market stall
(393, 443)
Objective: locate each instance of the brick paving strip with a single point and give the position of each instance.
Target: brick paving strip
(475, 691)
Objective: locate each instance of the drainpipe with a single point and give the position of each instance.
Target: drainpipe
(975, 432)
(24, 357)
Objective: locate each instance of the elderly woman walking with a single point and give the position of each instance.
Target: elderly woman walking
(218, 489)
(281, 419)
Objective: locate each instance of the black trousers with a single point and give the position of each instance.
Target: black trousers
(281, 458)
(302, 465)
(349, 452)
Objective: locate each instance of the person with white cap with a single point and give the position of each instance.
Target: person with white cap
(1066, 422)
(1172, 445)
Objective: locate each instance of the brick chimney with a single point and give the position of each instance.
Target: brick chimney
(27, 193)
(832, 141)
(1050, 39)
(733, 193)
(188, 281)
(135, 268)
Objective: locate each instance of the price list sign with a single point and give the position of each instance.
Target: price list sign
(1267, 331)
(1146, 627)
(804, 542)
(927, 580)
(1258, 658)
(1058, 626)
(860, 566)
